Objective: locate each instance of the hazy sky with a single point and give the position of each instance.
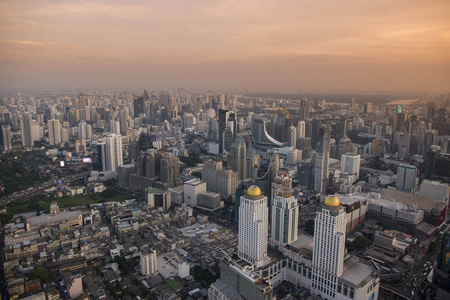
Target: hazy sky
(401, 45)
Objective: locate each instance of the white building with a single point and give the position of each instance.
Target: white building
(7, 140)
(148, 263)
(350, 164)
(183, 269)
(329, 247)
(434, 190)
(54, 132)
(284, 225)
(321, 170)
(191, 190)
(253, 227)
(113, 147)
(292, 136)
(407, 179)
(301, 129)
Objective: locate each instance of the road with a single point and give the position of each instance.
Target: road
(37, 189)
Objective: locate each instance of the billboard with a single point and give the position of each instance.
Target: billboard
(86, 160)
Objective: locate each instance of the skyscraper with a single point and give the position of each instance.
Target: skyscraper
(148, 263)
(301, 129)
(292, 136)
(321, 161)
(350, 164)
(284, 216)
(329, 247)
(304, 109)
(170, 170)
(238, 157)
(223, 117)
(253, 227)
(6, 133)
(54, 132)
(26, 124)
(139, 106)
(113, 155)
(407, 179)
(431, 110)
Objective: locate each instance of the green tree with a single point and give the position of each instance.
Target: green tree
(41, 273)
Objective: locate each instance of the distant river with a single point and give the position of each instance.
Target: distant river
(402, 102)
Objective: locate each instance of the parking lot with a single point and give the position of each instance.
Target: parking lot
(168, 264)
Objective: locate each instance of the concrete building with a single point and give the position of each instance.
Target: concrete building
(7, 139)
(113, 155)
(407, 178)
(192, 188)
(26, 124)
(435, 190)
(301, 129)
(253, 227)
(350, 164)
(148, 263)
(170, 170)
(54, 132)
(227, 183)
(292, 136)
(209, 201)
(321, 161)
(158, 198)
(177, 194)
(183, 269)
(238, 158)
(284, 214)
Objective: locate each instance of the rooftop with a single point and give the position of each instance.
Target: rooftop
(409, 199)
(356, 272)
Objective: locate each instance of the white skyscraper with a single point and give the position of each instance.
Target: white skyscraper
(54, 132)
(253, 227)
(350, 164)
(407, 179)
(292, 136)
(113, 147)
(7, 141)
(301, 129)
(284, 225)
(148, 263)
(329, 247)
(114, 126)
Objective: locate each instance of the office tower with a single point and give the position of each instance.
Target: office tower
(192, 189)
(238, 157)
(170, 170)
(315, 128)
(252, 162)
(113, 155)
(418, 138)
(434, 190)
(188, 122)
(329, 248)
(139, 106)
(82, 106)
(407, 178)
(350, 164)
(223, 117)
(304, 109)
(430, 161)
(292, 136)
(26, 124)
(123, 115)
(281, 126)
(368, 107)
(227, 182)
(209, 174)
(153, 112)
(54, 132)
(99, 155)
(148, 263)
(402, 141)
(401, 122)
(253, 227)
(321, 161)
(377, 147)
(300, 129)
(353, 105)
(344, 146)
(7, 141)
(148, 164)
(64, 135)
(304, 145)
(284, 215)
(114, 126)
(431, 110)
(441, 273)
(442, 114)
(431, 138)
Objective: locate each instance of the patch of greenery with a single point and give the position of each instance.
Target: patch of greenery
(204, 276)
(41, 273)
(359, 243)
(192, 160)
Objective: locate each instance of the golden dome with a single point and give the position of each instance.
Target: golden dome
(332, 200)
(254, 190)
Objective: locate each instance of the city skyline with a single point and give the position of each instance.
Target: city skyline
(375, 45)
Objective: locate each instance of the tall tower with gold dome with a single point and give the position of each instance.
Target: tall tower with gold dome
(329, 247)
(253, 227)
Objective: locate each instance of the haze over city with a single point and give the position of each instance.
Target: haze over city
(258, 45)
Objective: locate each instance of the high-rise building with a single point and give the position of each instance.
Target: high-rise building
(227, 183)
(284, 215)
(350, 164)
(377, 147)
(148, 263)
(253, 227)
(301, 129)
(430, 163)
(170, 170)
(321, 161)
(292, 136)
(368, 107)
(192, 189)
(431, 138)
(252, 162)
(26, 124)
(441, 273)
(238, 157)
(7, 141)
(188, 122)
(431, 110)
(209, 174)
(281, 126)
(82, 106)
(353, 105)
(54, 132)
(139, 106)
(407, 178)
(124, 116)
(223, 118)
(304, 109)
(329, 248)
(113, 155)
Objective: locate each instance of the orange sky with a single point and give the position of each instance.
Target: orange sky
(401, 45)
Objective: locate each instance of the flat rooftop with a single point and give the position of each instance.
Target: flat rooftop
(59, 217)
(356, 272)
(408, 199)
